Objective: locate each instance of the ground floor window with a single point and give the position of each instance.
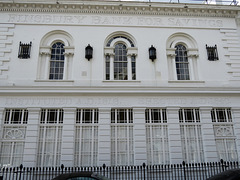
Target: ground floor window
(224, 134)
(13, 137)
(86, 137)
(50, 138)
(157, 136)
(191, 135)
(122, 152)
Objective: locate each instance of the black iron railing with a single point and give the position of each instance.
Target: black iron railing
(197, 171)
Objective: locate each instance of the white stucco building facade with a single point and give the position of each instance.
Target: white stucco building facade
(119, 107)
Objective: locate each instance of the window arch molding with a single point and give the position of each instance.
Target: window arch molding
(120, 51)
(190, 58)
(45, 54)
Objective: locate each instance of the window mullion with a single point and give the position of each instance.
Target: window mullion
(56, 138)
(150, 115)
(43, 146)
(116, 142)
(163, 144)
(10, 116)
(111, 67)
(11, 153)
(55, 146)
(129, 65)
(226, 115)
(92, 148)
(46, 116)
(81, 116)
(185, 127)
(116, 113)
(216, 117)
(22, 116)
(128, 144)
(161, 116)
(197, 141)
(92, 139)
(151, 141)
(80, 145)
(65, 67)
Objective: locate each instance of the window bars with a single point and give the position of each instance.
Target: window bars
(212, 53)
(24, 50)
(86, 137)
(13, 137)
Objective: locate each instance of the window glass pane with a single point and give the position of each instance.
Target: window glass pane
(181, 60)
(156, 137)
(191, 135)
(224, 134)
(86, 137)
(122, 137)
(120, 62)
(57, 61)
(13, 137)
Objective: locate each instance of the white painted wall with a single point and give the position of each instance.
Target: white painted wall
(217, 86)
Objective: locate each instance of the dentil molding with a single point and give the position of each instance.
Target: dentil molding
(120, 7)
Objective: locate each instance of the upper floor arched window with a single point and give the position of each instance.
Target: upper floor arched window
(120, 58)
(120, 62)
(182, 55)
(57, 61)
(181, 60)
(56, 55)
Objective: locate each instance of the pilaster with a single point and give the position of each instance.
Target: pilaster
(68, 135)
(31, 139)
(104, 137)
(175, 147)
(209, 143)
(139, 136)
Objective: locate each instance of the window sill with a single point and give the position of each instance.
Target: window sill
(39, 80)
(121, 81)
(186, 81)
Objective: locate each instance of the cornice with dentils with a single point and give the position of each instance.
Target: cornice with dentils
(120, 7)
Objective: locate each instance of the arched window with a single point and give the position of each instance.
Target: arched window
(182, 55)
(120, 63)
(57, 61)
(56, 56)
(181, 60)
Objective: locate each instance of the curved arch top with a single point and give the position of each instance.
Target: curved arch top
(57, 35)
(125, 37)
(181, 38)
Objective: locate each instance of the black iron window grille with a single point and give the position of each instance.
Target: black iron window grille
(24, 50)
(212, 53)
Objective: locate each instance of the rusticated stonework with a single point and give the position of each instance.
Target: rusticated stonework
(6, 34)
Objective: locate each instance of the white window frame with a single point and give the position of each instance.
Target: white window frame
(224, 134)
(192, 52)
(82, 125)
(122, 144)
(182, 66)
(48, 124)
(109, 53)
(45, 55)
(192, 144)
(13, 137)
(56, 60)
(156, 155)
